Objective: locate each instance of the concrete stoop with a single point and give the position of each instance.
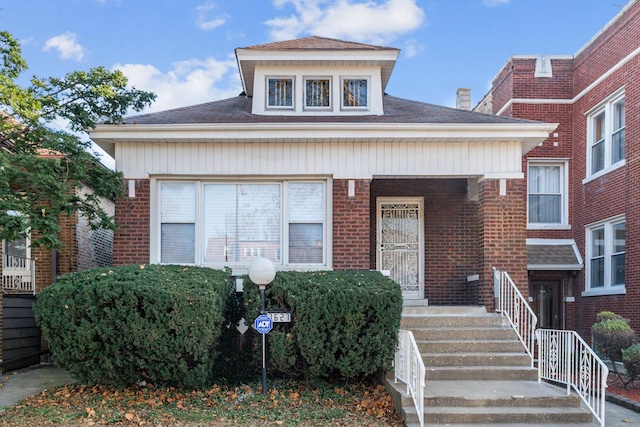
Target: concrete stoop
(477, 372)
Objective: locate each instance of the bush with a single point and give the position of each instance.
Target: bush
(611, 334)
(631, 361)
(344, 322)
(123, 325)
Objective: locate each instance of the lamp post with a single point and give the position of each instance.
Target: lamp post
(262, 272)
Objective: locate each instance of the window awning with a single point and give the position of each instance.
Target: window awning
(553, 254)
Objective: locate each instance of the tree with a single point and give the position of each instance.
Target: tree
(41, 167)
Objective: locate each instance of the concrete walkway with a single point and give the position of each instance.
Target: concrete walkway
(20, 384)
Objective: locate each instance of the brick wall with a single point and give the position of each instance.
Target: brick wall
(615, 193)
(450, 234)
(351, 226)
(131, 239)
(502, 235)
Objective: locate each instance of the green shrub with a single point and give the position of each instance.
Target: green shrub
(631, 361)
(612, 333)
(344, 322)
(123, 325)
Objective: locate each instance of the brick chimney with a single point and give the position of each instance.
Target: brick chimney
(463, 99)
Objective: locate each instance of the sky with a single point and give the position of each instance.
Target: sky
(183, 50)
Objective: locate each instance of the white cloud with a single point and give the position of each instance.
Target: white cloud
(412, 48)
(66, 45)
(365, 21)
(204, 21)
(187, 83)
(493, 3)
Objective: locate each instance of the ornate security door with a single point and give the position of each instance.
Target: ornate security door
(401, 243)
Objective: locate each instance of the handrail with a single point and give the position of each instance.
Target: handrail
(409, 369)
(18, 274)
(564, 357)
(511, 303)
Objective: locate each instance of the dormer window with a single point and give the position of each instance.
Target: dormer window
(280, 92)
(317, 93)
(355, 93)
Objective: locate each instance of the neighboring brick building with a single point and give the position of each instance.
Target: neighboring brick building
(315, 167)
(583, 194)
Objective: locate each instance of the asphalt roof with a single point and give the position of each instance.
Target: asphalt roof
(316, 43)
(396, 110)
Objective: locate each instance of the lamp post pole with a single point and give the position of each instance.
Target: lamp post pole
(262, 272)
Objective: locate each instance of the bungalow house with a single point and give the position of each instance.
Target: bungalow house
(315, 167)
(583, 184)
(26, 270)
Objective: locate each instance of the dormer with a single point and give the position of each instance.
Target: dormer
(316, 76)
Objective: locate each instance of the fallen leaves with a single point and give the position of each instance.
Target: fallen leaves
(286, 403)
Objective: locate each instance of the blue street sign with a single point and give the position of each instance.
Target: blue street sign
(263, 324)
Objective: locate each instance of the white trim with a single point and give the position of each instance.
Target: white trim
(607, 288)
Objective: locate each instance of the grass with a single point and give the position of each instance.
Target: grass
(287, 403)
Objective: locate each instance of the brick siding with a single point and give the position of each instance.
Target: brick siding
(450, 235)
(614, 193)
(131, 239)
(351, 226)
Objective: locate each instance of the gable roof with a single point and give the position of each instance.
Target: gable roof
(313, 51)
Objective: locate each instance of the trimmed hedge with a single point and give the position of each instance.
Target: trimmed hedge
(612, 333)
(345, 323)
(122, 325)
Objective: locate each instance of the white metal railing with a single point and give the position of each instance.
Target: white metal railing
(18, 274)
(511, 303)
(409, 369)
(564, 357)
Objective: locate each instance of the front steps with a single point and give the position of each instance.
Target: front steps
(477, 372)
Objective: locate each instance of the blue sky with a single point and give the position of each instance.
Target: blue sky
(183, 50)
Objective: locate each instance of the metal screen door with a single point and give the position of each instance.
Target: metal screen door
(401, 244)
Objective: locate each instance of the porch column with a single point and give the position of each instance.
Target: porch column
(503, 227)
(351, 224)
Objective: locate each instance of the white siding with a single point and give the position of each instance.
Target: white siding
(340, 159)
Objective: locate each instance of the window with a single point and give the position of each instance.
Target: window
(280, 92)
(354, 93)
(606, 244)
(317, 93)
(547, 201)
(606, 136)
(234, 223)
(177, 219)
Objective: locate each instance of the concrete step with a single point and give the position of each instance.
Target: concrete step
(478, 373)
(433, 360)
(417, 321)
(500, 415)
(459, 334)
(443, 310)
(470, 346)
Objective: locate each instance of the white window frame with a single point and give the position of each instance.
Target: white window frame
(607, 288)
(293, 93)
(342, 94)
(563, 164)
(305, 79)
(607, 108)
(282, 255)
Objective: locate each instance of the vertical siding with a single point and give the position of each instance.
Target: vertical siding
(348, 158)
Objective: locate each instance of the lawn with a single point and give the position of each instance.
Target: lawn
(287, 403)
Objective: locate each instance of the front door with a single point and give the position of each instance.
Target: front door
(400, 242)
(546, 303)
